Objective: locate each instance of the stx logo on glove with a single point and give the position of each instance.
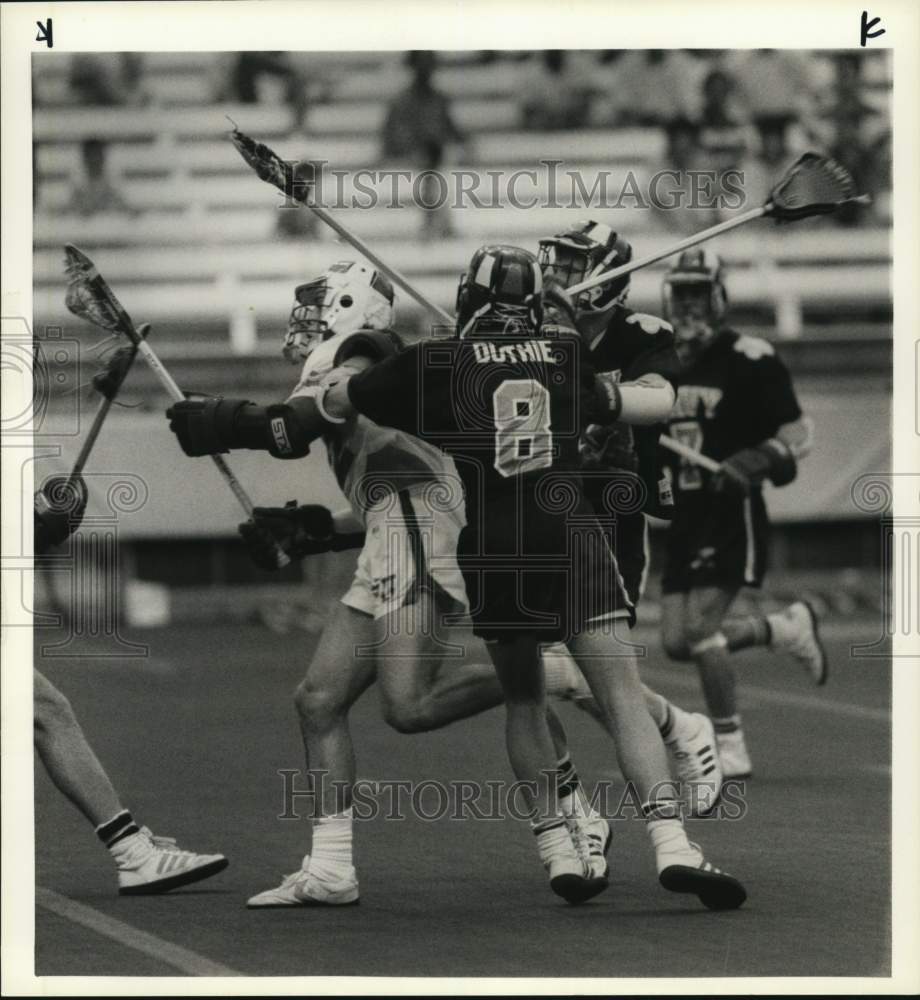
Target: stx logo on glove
(279, 433)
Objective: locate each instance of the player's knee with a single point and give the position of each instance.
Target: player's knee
(409, 716)
(317, 706)
(676, 646)
(51, 710)
(700, 636)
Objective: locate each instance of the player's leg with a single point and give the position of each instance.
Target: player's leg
(68, 757)
(146, 864)
(423, 686)
(337, 676)
(706, 609)
(533, 759)
(613, 675)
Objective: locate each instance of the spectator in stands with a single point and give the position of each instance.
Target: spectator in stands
(108, 79)
(249, 73)
(652, 87)
(417, 128)
(773, 84)
(96, 192)
(297, 222)
(857, 136)
(554, 93)
(675, 192)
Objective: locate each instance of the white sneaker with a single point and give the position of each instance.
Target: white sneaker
(591, 836)
(300, 888)
(564, 853)
(148, 864)
(692, 749)
(795, 631)
(733, 755)
(682, 868)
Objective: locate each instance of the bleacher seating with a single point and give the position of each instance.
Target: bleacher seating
(202, 247)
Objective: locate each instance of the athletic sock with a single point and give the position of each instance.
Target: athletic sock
(742, 633)
(727, 725)
(553, 838)
(331, 853)
(121, 825)
(572, 798)
(666, 832)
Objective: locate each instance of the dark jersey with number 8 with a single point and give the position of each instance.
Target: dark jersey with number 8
(509, 411)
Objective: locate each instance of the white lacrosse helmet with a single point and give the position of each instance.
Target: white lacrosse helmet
(349, 296)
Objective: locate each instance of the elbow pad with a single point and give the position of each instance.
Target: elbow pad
(373, 344)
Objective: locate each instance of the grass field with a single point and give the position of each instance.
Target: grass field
(194, 737)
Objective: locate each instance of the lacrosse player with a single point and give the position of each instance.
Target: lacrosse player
(145, 864)
(348, 310)
(620, 467)
(736, 404)
(513, 428)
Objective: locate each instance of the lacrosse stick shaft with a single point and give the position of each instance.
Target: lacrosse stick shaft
(685, 244)
(394, 275)
(91, 436)
(697, 458)
(177, 395)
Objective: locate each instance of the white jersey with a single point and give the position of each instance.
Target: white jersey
(371, 462)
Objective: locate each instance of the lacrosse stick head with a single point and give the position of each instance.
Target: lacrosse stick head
(813, 185)
(283, 174)
(89, 297)
(108, 381)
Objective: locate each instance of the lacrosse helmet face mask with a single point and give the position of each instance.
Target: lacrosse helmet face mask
(694, 299)
(349, 296)
(502, 291)
(581, 252)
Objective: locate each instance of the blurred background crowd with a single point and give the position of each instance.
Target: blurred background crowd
(131, 163)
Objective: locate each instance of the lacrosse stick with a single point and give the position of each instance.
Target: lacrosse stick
(813, 185)
(685, 451)
(108, 384)
(272, 169)
(90, 298)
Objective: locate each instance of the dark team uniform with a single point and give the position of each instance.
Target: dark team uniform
(509, 411)
(633, 344)
(737, 394)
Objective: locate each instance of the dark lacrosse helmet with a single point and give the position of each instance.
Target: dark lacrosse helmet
(694, 298)
(581, 252)
(501, 291)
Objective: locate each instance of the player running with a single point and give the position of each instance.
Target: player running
(535, 560)
(620, 465)
(407, 510)
(736, 404)
(145, 864)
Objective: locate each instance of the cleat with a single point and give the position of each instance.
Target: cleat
(303, 889)
(148, 864)
(715, 889)
(694, 753)
(591, 836)
(684, 869)
(733, 755)
(795, 631)
(570, 878)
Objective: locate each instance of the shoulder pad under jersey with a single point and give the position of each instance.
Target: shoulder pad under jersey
(753, 348)
(374, 344)
(648, 323)
(320, 362)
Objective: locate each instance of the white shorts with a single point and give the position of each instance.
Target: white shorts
(410, 547)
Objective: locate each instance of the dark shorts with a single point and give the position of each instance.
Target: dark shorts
(716, 542)
(550, 574)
